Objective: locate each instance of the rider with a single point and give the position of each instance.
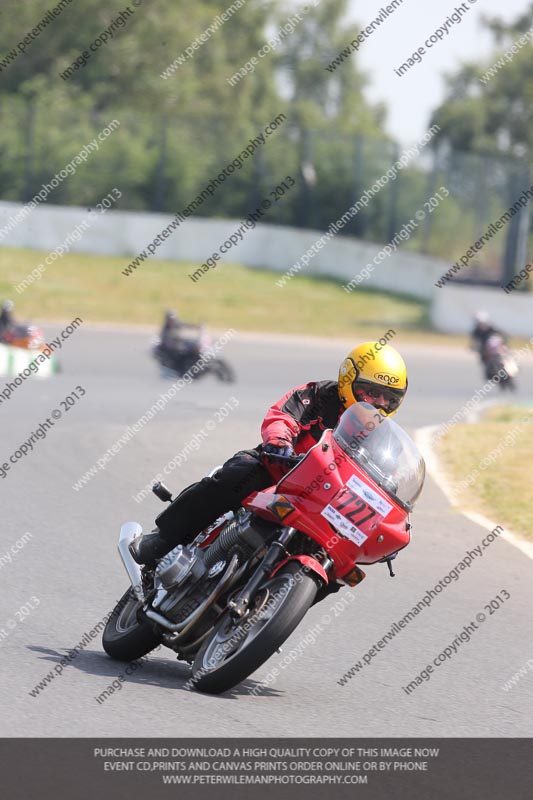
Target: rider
(371, 373)
(6, 316)
(482, 331)
(170, 331)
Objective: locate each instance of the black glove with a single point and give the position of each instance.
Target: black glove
(278, 452)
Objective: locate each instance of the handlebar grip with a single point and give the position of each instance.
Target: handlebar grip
(294, 459)
(289, 460)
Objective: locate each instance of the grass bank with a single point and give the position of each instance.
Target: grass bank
(489, 466)
(94, 288)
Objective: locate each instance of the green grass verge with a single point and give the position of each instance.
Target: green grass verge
(502, 489)
(94, 288)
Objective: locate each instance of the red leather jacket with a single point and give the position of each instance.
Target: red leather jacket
(302, 415)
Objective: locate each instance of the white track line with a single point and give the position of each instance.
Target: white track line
(423, 438)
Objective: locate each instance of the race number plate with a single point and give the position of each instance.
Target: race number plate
(355, 504)
(371, 497)
(344, 525)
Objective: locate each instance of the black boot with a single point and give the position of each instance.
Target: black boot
(147, 549)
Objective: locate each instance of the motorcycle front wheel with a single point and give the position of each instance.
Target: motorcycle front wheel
(237, 648)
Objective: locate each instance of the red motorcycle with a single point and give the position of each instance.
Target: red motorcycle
(24, 335)
(226, 602)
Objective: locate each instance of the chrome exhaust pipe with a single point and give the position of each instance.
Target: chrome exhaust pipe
(128, 532)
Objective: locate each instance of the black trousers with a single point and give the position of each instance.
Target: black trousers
(200, 504)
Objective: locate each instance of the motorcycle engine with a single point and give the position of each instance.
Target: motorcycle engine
(177, 566)
(181, 583)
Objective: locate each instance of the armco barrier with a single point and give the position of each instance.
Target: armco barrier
(453, 308)
(272, 247)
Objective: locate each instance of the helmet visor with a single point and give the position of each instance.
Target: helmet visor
(374, 391)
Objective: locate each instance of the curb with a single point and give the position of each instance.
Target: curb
(14, 360)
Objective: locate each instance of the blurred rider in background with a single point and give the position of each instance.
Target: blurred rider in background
(6, 317)
(171, 331)
(482, 331)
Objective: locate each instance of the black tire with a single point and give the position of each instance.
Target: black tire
(506, 383)
(124, 637)
(511, 384)
(267, 631)
(223, 371)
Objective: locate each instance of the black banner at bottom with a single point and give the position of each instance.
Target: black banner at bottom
(373, 769)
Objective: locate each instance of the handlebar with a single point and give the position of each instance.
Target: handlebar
(291, 461)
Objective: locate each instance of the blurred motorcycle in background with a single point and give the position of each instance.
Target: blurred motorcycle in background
(498, 360)
(188, 346)
(24, 335)
(19, 334)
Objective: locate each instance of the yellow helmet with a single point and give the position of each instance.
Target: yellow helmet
(370, 371)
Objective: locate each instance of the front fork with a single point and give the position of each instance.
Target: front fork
(271, 562)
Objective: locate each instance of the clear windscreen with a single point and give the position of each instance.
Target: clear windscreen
(383, 449)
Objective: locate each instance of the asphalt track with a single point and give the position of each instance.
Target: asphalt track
(71, 565)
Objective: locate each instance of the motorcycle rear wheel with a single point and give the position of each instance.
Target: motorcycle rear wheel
(124, 637)
(223, 371)
(222, 663)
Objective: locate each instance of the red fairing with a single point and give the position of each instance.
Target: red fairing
(29, 337)
(307, 561)
(328, 482)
